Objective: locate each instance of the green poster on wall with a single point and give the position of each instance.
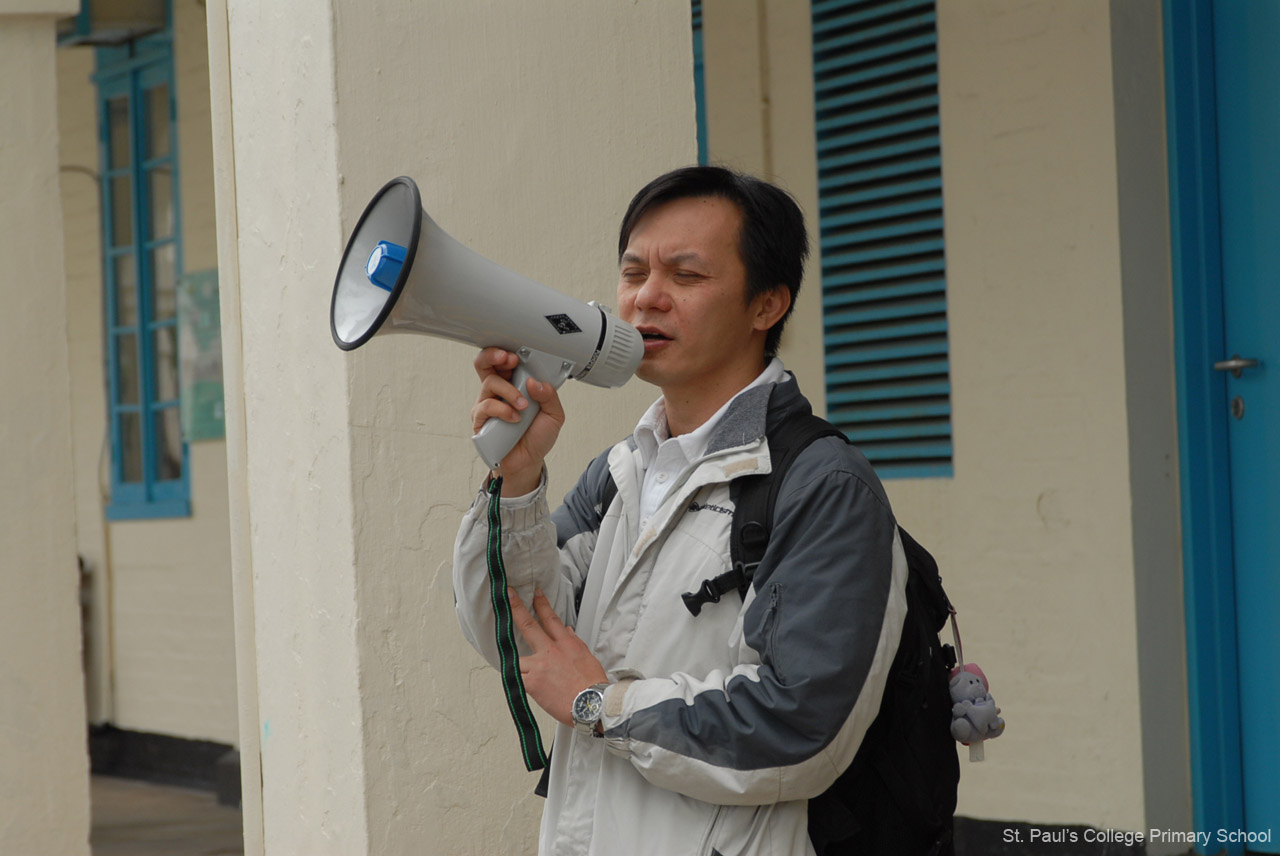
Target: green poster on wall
(200, 357)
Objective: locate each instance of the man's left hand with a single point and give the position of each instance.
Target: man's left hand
(561, 665)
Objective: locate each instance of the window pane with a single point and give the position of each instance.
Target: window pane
(158, 121)
(127, 369)
(164, 282)
(168, 444)
(121, 211)
(160, 193)
(126, 272)
(165, 354)
(118, 131)
(130, 447)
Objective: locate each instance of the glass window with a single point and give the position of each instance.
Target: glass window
(160, 200)
(126, 291)
(158, 121)
(143, 265)
(117, 111)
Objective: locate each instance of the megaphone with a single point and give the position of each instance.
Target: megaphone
(401, 273)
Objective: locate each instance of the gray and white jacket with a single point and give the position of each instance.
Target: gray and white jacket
(719, 727)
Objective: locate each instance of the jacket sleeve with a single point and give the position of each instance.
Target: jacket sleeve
(539, 550)
(819, 633)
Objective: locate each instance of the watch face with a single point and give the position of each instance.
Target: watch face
(588, 706)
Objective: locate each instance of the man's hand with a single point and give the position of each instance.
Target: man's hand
(561, 665)
(499, 399)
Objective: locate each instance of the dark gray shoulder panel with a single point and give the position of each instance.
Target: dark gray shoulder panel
(581, 511)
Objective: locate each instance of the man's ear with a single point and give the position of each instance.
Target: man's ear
(771, 306)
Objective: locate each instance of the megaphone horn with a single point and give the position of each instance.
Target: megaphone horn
(401, 273)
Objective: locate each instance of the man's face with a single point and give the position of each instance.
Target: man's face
(682, 284)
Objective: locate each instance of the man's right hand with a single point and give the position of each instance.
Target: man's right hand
(521, 469)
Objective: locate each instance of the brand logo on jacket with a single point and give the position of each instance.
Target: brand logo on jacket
(720, 509)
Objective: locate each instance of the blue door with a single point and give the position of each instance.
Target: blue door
(1247, 72)
(1222, 77)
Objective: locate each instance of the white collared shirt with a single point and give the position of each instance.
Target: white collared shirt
(665, 459)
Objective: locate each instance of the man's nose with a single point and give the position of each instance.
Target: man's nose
(652, 293)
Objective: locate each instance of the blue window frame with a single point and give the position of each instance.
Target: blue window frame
(881, 238)
(699, 82)
(142, 261)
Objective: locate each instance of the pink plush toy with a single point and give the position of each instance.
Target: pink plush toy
(974, 715)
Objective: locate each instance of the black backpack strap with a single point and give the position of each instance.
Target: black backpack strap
(607, 493)
(754, 498)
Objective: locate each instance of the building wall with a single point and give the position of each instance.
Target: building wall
(759, 94)
(82, 225)
(1038, 534)
(162, 651)
(1036, 527)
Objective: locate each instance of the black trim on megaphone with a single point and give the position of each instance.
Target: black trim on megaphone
(411, 252)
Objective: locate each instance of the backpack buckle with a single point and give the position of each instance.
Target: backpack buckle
(736, 579)
(693, 601)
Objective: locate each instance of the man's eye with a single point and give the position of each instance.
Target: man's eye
(633, 275)
(688, 274)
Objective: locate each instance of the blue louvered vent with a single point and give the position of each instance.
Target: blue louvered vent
(880, 216)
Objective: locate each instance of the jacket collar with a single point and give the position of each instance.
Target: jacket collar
(748, 418)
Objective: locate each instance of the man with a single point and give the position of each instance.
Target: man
(716, 728)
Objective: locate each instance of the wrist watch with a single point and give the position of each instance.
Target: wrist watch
(587, 709)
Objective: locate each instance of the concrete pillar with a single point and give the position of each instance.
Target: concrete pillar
(44, 778)
(376, 729)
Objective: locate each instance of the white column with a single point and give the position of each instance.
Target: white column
(528, 129)
(237, 453)
(44, 778)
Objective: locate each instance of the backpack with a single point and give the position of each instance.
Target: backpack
(898, 796)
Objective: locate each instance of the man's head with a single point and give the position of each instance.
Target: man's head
(772, 242)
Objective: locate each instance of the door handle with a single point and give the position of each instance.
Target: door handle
(1236, 365)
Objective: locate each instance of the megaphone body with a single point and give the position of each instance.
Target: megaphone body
(402, 273)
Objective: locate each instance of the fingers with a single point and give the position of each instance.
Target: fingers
(525, 622)
(499, 399)
(548, 399)
(547, 617)
(490, 360)
(541, 624)
(538, 405)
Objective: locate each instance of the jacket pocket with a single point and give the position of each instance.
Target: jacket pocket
(772, 619)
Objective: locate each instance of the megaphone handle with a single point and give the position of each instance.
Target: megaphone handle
(496, 438)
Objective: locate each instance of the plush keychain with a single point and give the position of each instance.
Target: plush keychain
(974, 715)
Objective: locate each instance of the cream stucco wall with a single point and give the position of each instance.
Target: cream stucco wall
(161, 636)
(1035, 528)
(44, 777)
(1062, 401)
(759, 105)
(82, 225)
(527, 131)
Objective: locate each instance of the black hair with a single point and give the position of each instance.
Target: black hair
(772, 244)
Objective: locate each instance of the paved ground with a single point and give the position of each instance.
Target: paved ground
(132, 818)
